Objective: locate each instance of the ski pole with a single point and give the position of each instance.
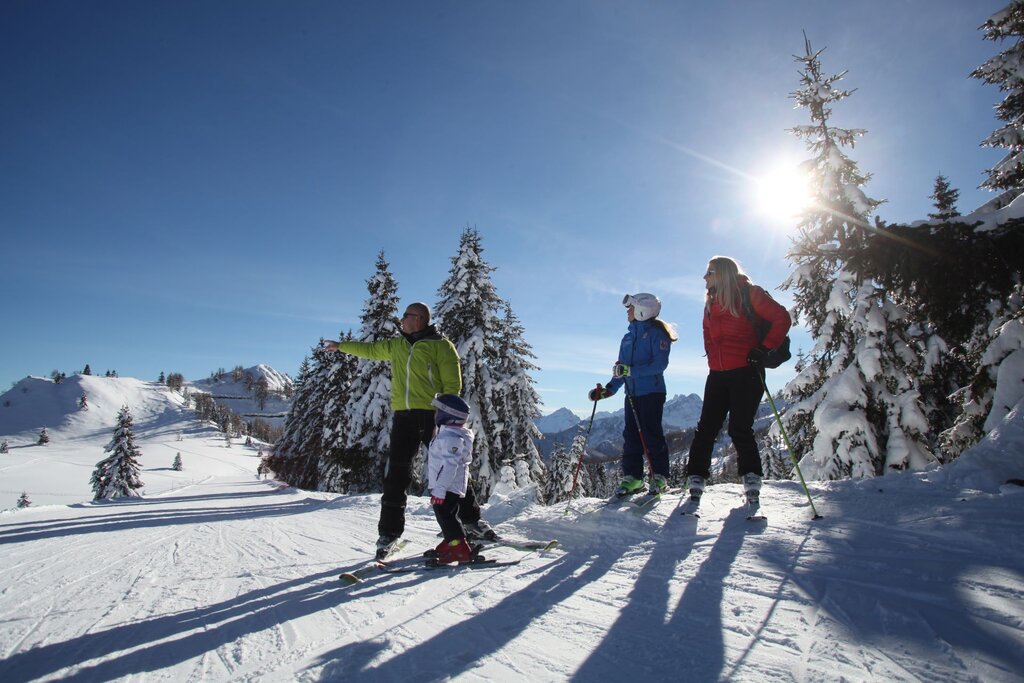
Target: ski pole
(579, 463)
(789, 446)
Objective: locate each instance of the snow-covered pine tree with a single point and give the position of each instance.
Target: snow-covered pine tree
(297, 454)
(368, 437)
(334, 468)
(998, 343)
(4, 446)
(83, 403)
(1004, 70)
(516, 401)
(117, 475)
(467, 313)
(177, 465)
(557, 481)
(855, 407)
(23, 501)
(87, 370)
(44, 437)
(945, 200)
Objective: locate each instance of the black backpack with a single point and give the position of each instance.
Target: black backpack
(776, 356)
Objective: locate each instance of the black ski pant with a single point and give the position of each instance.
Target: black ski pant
(649, 408)
(736, 393)
(447, 516)
(410, 429)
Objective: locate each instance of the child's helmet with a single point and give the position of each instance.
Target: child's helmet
(450, 409)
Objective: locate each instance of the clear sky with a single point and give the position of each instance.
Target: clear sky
(193, 185)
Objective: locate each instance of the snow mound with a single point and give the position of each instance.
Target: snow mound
(989, 464)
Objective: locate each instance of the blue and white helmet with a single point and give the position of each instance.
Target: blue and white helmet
(645, 306)
(450, 409)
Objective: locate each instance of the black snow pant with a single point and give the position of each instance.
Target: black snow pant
(410, 429)
(448, 517)
(649, 409)
(736, 393)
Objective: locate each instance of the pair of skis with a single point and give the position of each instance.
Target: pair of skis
(425, 562)
(692, 509)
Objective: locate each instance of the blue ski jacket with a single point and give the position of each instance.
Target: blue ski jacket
(645, 350)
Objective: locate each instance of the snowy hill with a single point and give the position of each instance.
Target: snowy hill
(220, 576)
(238, 391)
(59, 472)
(558, 421)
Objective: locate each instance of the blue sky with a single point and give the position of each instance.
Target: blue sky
(194, 185)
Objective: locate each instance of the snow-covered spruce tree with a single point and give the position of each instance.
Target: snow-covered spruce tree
(1005, 70)
(87, 370)
(176, 465)
(83, 402)
(297, 454)
(366, 440)
(467, 313)
(117, 475)
(4, 446)
(945, 200)
(23, 501)
(557, 482)
(334, 469)
(516, 401)
(44, 437)
(855, 408)
(998, 342)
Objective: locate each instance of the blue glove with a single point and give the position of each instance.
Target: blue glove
(620, 370)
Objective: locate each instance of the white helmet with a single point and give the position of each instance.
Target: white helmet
(645, 306)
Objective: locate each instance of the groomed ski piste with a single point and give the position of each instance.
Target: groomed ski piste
(215, 575)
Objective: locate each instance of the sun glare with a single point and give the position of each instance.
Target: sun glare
(783, 193)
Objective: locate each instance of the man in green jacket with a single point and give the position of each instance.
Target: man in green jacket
(423, 364)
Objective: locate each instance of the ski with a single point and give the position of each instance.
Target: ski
(391, 549)
(692, 507)
(540, 546)
(431, 564)
(754, 513)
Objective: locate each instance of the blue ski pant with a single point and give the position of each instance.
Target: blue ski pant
(649, 408)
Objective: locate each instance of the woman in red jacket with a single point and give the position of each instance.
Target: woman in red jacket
(735, 383)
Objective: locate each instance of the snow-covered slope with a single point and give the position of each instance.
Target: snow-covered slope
(237, 392)
(911, 577)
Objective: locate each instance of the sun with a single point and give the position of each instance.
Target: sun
(783, 193)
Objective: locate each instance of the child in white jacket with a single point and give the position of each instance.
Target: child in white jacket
(448, 459)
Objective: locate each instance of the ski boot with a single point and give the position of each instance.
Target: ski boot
(628, 486)
(386, 546)
(658, 485)
(752, 495)
(480, 531)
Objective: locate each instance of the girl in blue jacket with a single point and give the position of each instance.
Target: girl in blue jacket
(643, 357)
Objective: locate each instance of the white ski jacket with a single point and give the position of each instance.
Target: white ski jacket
(448, 460)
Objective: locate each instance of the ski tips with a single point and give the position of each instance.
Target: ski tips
(348, 579)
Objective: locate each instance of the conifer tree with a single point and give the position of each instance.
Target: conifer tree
(117, 475)
(335, 468)
(516, 401)
(23, 501)
(367, 439)
(83, 403)
(945, 200)
(298, 453)
(177, 464)
(557, 482)
(856, 410)
(1003, 70)
(44, 437)
(87, 370)
(4, 446)
(466, 311)
(161, 379)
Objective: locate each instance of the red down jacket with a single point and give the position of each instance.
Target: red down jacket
(729, 338)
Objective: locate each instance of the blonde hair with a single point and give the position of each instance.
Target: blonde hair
(669, 329)
(727, 284)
